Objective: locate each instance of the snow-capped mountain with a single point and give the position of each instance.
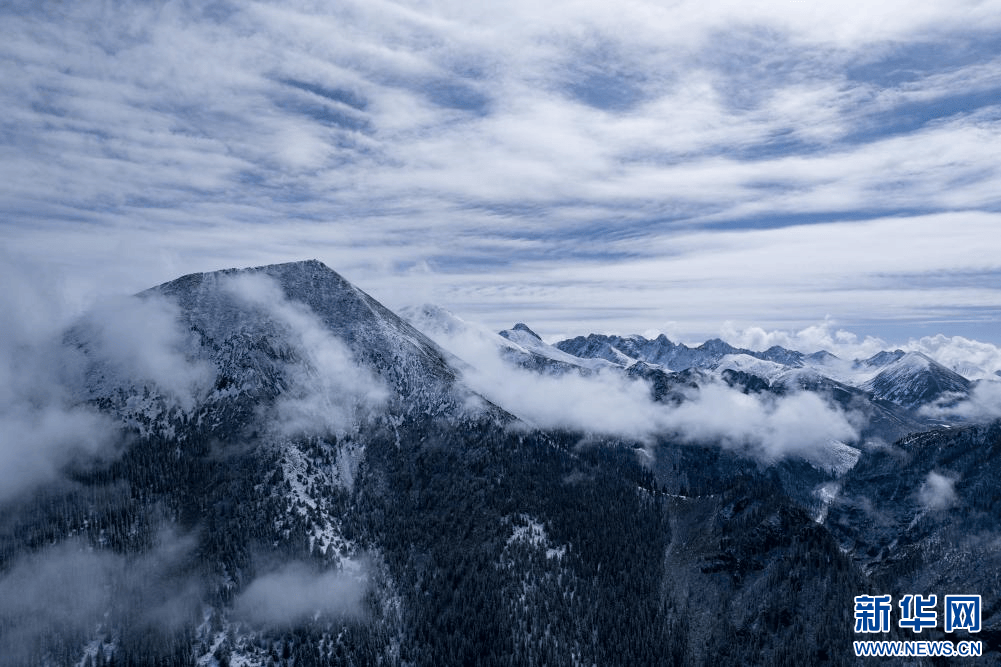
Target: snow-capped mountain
(908, 379)
(519, 345)
(530, 341)
(228, 309)
(914, 379)
(667, 354)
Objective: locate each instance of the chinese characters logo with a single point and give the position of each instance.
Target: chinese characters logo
(917, 613)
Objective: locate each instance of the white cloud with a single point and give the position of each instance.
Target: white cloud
(983, 404)
(938, 492)
(487, 142)
(794, 425)
(140, 340)
(57, 352)
(609, 403)
(970, 358)
(974, 360)
(296, 592)
(42, 428)
(329, 391)
(823, 336)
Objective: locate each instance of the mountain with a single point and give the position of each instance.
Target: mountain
(671, 356)
(519, 345)
(415, 369)
(922, 515)
(880, 359)
(914, 379)
(296, 476)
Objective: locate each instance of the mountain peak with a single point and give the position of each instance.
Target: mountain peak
(915, 379)
(521, 326)
(215, 306)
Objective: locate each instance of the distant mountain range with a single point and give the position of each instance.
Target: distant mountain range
(299, 476)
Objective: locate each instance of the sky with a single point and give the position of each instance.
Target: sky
(748, 169)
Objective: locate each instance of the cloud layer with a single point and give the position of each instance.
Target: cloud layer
(56, 354)
(609, 403)
(572, 165)
(67, 592)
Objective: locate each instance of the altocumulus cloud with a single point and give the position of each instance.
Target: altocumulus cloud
(462, 147)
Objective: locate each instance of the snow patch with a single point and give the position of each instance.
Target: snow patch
(528, 530)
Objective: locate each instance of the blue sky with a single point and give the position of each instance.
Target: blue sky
(692, 168)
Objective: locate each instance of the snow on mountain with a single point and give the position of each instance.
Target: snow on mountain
(781, 355)
(530, 341)
(768, 370)
(284, 424)
(293, 347)
(313, 309)
(915, 379)
(837, 458)
(518, 345)
(465, 339)
(625, 350)
(880, 359)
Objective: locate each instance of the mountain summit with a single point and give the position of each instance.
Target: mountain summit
(914, 379)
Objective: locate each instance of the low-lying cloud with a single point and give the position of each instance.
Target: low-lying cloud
(610, 403)
(982, 404)
(799, 424)
(42, 427)
(56, 357)
(60, 590)
(138, 341)
(938, 492)
(329, 391)
(66, 594)
(296, 592)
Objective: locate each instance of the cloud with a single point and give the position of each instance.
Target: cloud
(983, 404)
(37, 442)
(938, 492)
(486, 143)
(59, 352)
(329, 391)
(59, 590)
(72, 593)
(823, 336)
(609, 403)
(42, 427)
(136, 341)
(972, 359)
(295, 593)
(800, 424)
